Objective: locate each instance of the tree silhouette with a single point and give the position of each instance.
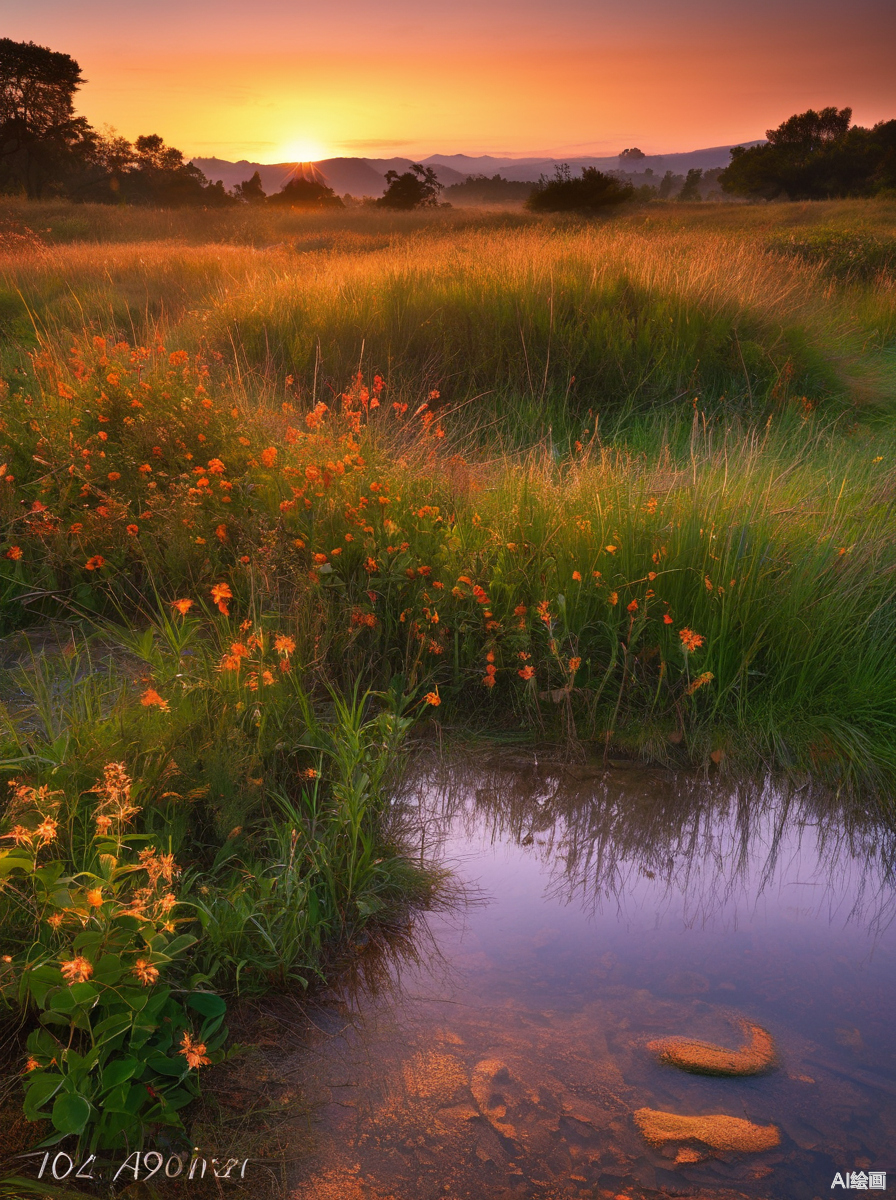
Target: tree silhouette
(592, 190)
(250, 191)
(691, 187)
(417, 188)
(39, 132)
(306, 193)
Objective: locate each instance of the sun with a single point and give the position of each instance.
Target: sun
(303, 150)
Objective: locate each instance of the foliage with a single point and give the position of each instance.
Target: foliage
(40, 136)
(250, 191)
(691, 188)
(417, 188)
(116, 1050)
(305, 193)
(592, 190)
(482, 189)
(816, 155)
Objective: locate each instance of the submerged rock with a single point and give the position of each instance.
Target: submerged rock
(706, 1058)
(721, 1133)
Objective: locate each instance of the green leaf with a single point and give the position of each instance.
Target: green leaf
(180, 943)
(207, 1003)
(39, 980)
(11, 862)
(178, 1098)
(134, 998)
(84, 993)
(108, 970)
(70, 1113)
(119, 1070)
(40, 1090)
(62, 1001)
(167, 1066)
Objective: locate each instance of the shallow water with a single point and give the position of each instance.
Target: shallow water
(600, 910)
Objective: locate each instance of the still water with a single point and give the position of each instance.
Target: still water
(597, 911)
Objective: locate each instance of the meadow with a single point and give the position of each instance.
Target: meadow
(283, 491)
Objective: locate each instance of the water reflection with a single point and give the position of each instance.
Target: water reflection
(605, 909)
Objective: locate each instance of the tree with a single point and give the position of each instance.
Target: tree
(484, 189)
(40, 136)
(306, 193)
(631, 155)
(250, 191)
(592, 190)
(691, 188)
(668, 184)
(417, 188)
(815, 156)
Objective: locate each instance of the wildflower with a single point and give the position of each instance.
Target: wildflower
(220, 594)
(706, 677)
(147, 973)
(613, 598)
(55, 920)
(14, 552)
(432, 698)
(320, 559)
(32, 1064)
(94, 563)
(691, 640)
(577, 576)
(95, 897)
(574, 664)
(152, 699)
(310, 773)
(269, 456)
(47, 830)
(526, 672)
(76, 970)
(182, 606)
(114, 476)
(168, 901)
(215, 466)
(145, 469)
(632, 607)
(610, 549)
(193, 1052)
(221, 533)
(667, 620)
(283, 644)
(103, 825)
(520, 610)
(371, 566)
(133, 530)
(178, 358)
(488, 681)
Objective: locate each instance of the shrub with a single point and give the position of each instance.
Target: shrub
(592, 190)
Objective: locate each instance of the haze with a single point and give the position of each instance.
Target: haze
(271, 82)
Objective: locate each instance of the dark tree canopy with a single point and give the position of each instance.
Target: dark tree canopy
(691, 187)
(250, 191)
(631, 154)
(816, 156)
(485, 189)
(417, 188)
(305, 193)
(590, 191)
(39, 132)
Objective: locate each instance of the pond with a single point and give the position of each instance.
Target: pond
(599, 911)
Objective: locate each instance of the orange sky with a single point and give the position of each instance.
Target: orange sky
(271, 82)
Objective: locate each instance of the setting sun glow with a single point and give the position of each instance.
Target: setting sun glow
(302, 150)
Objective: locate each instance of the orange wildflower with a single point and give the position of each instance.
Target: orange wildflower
(432, 698)
(667, 620)
(133, 530)
(182, 606)
(76, 970)
(577, 576)
(220, 594)
(632, 607)
(691, 640)
(47, 830)
(526, 672)
(14, 552)
(147, 973)
(269, 456)
(284, 644)
(706, 677)
(95, 897)
(574, 664)
(193, 1052)
(152, 699)
(94, 564)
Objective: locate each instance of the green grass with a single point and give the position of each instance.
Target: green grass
(625, 484)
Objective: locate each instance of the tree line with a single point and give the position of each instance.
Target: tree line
(48, 151)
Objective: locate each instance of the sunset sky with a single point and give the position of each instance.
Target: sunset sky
(280, 80)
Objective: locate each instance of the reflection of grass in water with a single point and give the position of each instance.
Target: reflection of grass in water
(602, 834)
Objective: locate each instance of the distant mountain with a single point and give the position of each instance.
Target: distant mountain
(366, 176)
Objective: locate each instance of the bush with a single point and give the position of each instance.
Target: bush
(589, 192)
